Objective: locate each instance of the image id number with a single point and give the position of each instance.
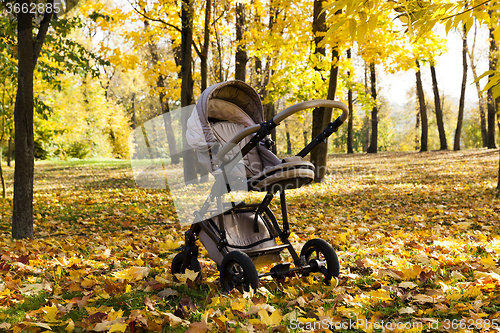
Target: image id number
(470, 324)
(32, 8)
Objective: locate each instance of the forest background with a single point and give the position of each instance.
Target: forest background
(122, 61)
(93, 71)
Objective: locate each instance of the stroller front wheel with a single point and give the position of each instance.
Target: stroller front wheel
(238, 271)
(193, 265)
(321, 255)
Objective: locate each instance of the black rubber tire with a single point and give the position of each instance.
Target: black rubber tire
(322, 250)
(194, 265)
(238, 271)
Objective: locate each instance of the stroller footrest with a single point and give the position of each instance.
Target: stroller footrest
(267, 250)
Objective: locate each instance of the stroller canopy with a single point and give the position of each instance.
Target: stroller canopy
(233, 101)
(235, 92)
(226, 102)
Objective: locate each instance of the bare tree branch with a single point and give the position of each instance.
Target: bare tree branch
(465, 11)
(153, 19)
(42, 32)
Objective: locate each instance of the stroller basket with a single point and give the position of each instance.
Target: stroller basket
(241, 235)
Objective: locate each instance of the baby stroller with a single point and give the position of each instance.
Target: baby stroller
(228, 132)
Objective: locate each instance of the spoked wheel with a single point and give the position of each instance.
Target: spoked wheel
(318, 253)
(238, 271)
(193, 264)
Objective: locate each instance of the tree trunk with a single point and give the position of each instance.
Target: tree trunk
(167, 119)
(417, 127)
(422, 109)
(2, 178)
(22, 218)
(206, 44)
(189, 156)
(269, 112)
(366, 143)
(498, 183)
(439, 111)
(373, 142)
(258, 72)
(9, 150)
(318, 28)
(134, 115)
(160, 83)
(461, 105)
(491, 102)
(322, 148)
(241, 54)
(265, 77)
(351, 118)
(480, 95)
(288, 140)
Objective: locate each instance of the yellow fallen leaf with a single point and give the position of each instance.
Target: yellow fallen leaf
(134, 273)
(189, 274)
(472, 292)
(380, 294)
(488, 262)
(463, 225)
(118, 327)
(214, 301)
(87, 283)
(70, 327)
(113, 315)
(50, 313)
(42, 325)
(223, 319)
(273, 320)
(238, 306)
(168, 245)
(411, 272)
(107, 325)
(453, 297)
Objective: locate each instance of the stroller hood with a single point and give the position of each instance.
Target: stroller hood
(235, 92)
(233, 101)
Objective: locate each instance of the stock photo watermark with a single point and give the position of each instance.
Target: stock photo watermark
(434, 324)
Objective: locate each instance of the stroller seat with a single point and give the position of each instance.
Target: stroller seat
(263, 170)
(293, 172)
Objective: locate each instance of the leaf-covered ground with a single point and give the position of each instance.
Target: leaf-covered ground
(416, 235)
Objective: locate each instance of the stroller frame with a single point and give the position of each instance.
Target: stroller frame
(303, 264)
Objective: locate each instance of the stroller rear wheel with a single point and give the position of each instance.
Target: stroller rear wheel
(238, 271)
(318, 253)
(193, 265)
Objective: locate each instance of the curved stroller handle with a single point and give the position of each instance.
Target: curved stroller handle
(221, 155)
(313, 104)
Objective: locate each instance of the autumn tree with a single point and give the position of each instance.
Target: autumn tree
(372, 148)
(351, 111)
(51, 59)
(241, 54)
(456, 144)
(422, 109)
(437, 109)
(492, 62)
(480, 94)
(28, 53)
